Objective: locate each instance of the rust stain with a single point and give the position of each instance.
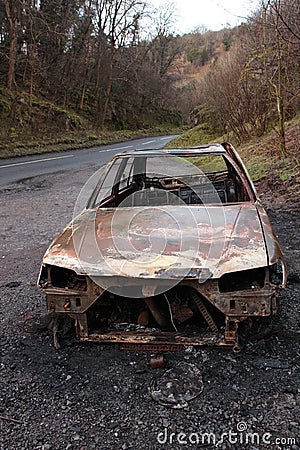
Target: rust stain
(110, 251)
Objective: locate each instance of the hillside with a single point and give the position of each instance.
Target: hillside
(32, 123)
(65, 82)
(277, 178)
(45, 127)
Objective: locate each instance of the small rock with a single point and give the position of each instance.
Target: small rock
(189, 349)
(165, 423)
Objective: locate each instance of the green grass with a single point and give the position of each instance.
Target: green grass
(261, 154)
(196, 136)
(209, 164)
(27, 146)
(45, 127)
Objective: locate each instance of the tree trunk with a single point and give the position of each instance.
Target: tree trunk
(86, 59)
(108, 87)
(31, 79)
(11, 16)
(280, 105)
(277, 86)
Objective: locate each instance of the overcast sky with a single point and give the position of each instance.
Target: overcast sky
(214, 14)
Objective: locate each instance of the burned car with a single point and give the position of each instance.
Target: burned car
(172, 248)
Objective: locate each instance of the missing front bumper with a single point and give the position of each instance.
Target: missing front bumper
(199, 315)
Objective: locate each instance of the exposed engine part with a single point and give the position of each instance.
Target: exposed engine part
(181, 313)
(171, 315)
(143, 318)
(157, 314)
(205, 313)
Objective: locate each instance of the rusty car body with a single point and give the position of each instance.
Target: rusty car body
(173, 248)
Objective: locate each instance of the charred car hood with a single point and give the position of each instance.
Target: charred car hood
(161, 242)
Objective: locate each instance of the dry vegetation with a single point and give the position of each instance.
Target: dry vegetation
(70, 77)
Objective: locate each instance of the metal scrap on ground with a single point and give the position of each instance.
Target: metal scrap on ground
(177, 386)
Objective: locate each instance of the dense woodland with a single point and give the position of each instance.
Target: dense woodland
(67, 65)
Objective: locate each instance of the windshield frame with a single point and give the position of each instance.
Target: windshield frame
(139, 165)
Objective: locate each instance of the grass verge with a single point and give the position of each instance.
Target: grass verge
(261, 154)
(22, 147)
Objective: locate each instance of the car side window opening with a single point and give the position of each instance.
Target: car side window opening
(143, 180)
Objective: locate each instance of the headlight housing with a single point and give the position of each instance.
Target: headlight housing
(59, 277)
(243, 280)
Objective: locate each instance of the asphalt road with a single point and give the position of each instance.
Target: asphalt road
(16, 169)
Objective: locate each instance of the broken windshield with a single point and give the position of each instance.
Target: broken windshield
(141, 180)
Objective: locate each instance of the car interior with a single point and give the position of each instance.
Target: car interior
(149, 181)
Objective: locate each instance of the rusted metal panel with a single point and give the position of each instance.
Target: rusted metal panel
(163, 340)
(274, 251)
(240, 245)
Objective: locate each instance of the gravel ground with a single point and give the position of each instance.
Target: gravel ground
(88, 396)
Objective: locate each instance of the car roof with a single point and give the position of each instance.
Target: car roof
(201, 149)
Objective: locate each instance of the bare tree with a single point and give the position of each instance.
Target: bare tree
(12, 16)
(163, 49)
(88, 20)
(273, 58)
(271, 17)
(117, 21)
